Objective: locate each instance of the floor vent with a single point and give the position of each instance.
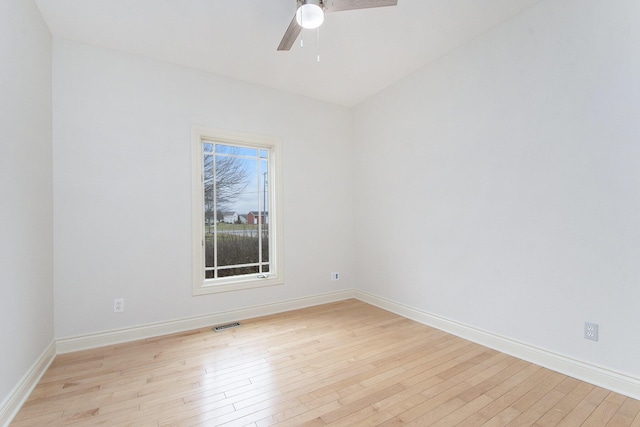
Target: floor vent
(227, 326)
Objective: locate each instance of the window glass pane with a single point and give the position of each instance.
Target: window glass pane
(208, 167)
(265, 249)
(209, 253)
(209, 206)
(237, 271)
(232, 176)
(235, 150)
(236, 246)
(264, 192)
(236, 210)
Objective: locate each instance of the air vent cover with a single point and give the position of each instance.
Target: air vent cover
(227, 326)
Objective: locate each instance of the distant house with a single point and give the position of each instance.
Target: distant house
(242, 218)
(229, 217)
(255, 217)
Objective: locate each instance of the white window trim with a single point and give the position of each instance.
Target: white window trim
(202, 286)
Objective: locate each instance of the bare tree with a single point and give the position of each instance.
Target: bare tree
(230, 178)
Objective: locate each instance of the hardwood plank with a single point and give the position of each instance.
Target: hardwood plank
(500, 410)
(464, 412)
(529, 416)
(584, 409)
(607, 409)
(566, 405)
(339, 364)
(628, 411)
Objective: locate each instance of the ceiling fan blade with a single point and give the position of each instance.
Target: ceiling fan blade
(340, 5)
(290, 35)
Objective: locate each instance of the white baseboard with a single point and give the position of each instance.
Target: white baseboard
(16, 398)
(611, 380)
(67, 345)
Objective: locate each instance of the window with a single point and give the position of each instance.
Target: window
(237, 220)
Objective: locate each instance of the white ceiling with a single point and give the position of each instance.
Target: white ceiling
(361, 51)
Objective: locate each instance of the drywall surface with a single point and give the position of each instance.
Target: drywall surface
(499, 186)
(122, 186)
(26, 230)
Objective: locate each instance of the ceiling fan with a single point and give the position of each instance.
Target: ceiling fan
(310, 14)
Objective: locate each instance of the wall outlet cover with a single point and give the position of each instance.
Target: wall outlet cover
(591, 331)
(118, 305)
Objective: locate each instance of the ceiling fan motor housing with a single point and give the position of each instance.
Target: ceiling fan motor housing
(310, 14)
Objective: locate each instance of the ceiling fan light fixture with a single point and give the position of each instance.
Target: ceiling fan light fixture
(310, 14)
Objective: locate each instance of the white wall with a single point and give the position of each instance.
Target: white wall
(514, 164)
(122, 187)
(26, 236)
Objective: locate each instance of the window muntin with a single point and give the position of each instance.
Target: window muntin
(237, 227)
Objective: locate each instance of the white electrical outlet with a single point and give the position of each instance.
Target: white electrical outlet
(335, 276)
(591, 331)
(118, 305)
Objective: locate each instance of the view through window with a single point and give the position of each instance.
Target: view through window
(236, 210)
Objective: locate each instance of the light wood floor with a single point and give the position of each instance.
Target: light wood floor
(340, 364)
